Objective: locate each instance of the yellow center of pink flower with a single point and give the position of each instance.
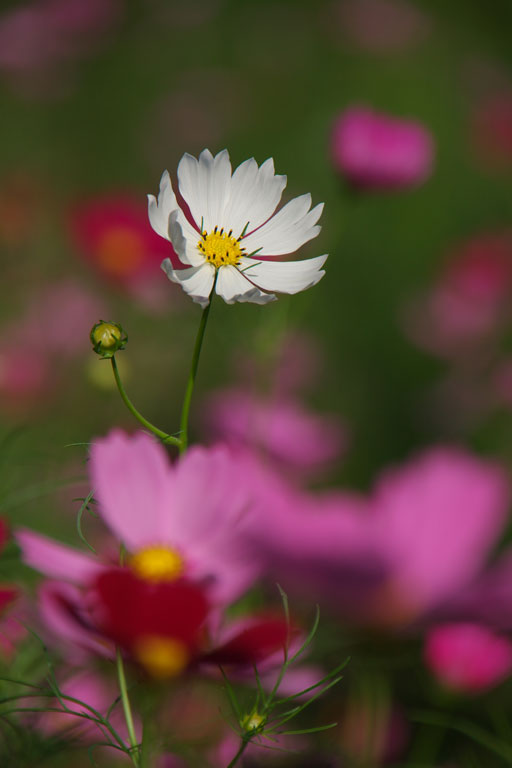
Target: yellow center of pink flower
(221, 248)
(157, 564)
(162, 657)
(120, 251)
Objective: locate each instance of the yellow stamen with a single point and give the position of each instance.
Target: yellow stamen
(162, 657)
(220, 248)
(157, 564)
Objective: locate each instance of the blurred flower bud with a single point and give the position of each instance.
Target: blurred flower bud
(375, 151)
(108, 338)
(253, 722)
(468, 658)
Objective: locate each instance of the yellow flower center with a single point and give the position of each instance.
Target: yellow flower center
(221, 248)
(157, 564)
(162, 657)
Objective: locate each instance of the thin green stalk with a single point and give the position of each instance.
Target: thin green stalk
(240, 752)
(134, 752)
(169, 439)
(192, 377)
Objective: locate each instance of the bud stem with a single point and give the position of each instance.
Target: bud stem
(168, 439)
(135, 750)
(192, 377)
(243, 744)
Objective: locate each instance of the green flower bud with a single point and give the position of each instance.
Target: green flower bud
(253, 723)
(107, 338)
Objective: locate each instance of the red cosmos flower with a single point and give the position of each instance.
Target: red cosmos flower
(159, 624)
(113, 234)
(163, 625)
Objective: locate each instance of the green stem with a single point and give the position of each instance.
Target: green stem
(243, 745)
(169, 439)
(134, 752)
(192, 377)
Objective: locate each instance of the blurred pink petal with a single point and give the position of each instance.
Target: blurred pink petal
(467, 657)
(321, 546)
(41, 34)
(132, 482)
(437, 518)
(25, 376)
(376, 151)
(94, 691)
(56, 560)
(64, 615)
(470, 298)
(283, 429)
(59, 319)
(487, 600)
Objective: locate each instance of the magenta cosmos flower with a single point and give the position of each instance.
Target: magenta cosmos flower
(234, 230)
(404, 554)
(376, 151)
(469, 658)
(175, 520)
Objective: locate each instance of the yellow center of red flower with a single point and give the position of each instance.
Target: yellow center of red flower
(157, 564)
(120, 251)
(162, 657)
(221, 248)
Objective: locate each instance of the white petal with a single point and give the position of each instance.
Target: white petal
(205, 185)
(184, 239)
(159, 211)
(196, 281)
(232, 286)
(284, 276)
(255, 194)
(288, 230)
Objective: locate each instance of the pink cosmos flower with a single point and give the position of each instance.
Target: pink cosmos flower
(469, 658)
(280, 428)
(379, 152)
(437, 519)
(57, 321)
(25, 377)
(175, 520)
(52, 327)
(113, 235)
(39, 40)
(470, 299)
(420, 540)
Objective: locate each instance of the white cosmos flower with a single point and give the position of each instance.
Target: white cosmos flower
(235, 223)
